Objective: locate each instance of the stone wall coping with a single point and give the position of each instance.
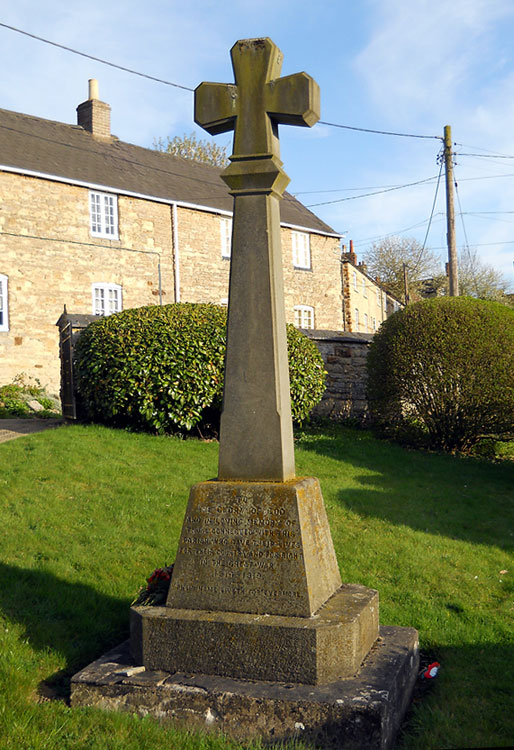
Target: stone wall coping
(338, 336)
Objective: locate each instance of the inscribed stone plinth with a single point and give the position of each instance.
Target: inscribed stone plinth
(309, 650)
(262, 547)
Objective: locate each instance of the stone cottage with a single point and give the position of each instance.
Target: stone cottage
(100, 225)
(365, 303)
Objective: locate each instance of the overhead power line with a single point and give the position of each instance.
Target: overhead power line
(379, 132)
(477, 148)
(418, 224)
(96, 59)
(188, 88)
(475, 282)
(344, 190)
(377, 192)
(486, 156)
(423, 247)
(479, 213)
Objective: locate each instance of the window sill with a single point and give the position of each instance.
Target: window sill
(105, 237)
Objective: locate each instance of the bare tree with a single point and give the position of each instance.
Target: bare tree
(386, 259)
(190, 147)
(477, 279)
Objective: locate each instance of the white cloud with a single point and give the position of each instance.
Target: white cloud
(422, 51)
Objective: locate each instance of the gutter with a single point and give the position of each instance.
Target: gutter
(176, 256)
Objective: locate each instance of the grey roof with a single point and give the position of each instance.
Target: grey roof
(72, 153)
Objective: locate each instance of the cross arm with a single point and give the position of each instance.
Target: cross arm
(294, 100)
(216, 107)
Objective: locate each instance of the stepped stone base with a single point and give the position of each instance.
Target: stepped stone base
(329, 645)
(362, 711)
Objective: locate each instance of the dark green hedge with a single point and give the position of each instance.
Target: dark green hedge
(161, 368)
(442, 370)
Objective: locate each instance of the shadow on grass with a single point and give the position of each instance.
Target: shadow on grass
(474, 682)
(460, 498)
(73, 619)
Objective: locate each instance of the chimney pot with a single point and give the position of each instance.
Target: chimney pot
(93, 89)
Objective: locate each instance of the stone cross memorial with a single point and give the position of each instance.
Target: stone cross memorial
(256, 542)
(256, 593)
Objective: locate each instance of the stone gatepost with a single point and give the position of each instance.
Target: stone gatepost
(258, 634)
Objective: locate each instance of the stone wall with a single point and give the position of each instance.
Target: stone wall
(344, 355)
(51, 260)
(318, 287)
(204, 274)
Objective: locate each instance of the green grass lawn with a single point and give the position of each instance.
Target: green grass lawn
(86, 513)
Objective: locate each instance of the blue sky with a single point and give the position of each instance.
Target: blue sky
(409, 66)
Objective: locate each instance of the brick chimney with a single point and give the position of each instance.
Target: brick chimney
(351, 255)
(94, 115)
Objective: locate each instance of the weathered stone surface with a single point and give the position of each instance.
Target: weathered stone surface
(344, 356)
(315, 650)
(35, 405)
(258, 101)
(364, 711)
(262, 547)
(256, 434)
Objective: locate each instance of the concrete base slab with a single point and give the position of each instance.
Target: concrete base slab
(325, 647)
(363, 711)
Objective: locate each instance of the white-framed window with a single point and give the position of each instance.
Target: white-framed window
(356, 318)
(103, 214)
(4, 304)
(304, 316)
(374, 324)
(225, 237)
(365, 321)
(301, 250)
(355, 280)
(106, 298)
(364, 288)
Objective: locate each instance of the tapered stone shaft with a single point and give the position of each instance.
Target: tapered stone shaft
(256, 437)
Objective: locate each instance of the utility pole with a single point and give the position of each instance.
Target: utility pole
(406, 284)
(450, 214)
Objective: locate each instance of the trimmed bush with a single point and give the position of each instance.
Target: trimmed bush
(442, 371)
(161, 368)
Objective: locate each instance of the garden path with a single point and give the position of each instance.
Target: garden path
(14, 428)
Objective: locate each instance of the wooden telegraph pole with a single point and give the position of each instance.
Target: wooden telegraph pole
(450, 214)
(406, 284)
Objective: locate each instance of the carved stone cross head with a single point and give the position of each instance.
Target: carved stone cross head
(258, 101)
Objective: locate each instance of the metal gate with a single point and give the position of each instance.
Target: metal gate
(70, 328)
(69, 408)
